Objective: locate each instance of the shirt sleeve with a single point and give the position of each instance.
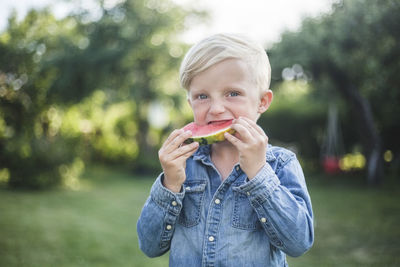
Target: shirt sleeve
(157, 220)
(283, 205)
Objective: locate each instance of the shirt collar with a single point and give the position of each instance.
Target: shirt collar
(204, 151)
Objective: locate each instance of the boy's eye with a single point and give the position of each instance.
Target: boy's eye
(233, 93)
(201, 96)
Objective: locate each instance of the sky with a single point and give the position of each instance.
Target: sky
(262, 20)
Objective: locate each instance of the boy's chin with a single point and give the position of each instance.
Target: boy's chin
(223, 143)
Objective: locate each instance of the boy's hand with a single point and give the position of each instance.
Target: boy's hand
(173, 155)
(251, 142)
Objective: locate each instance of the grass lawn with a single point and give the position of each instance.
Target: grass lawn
(96, 226)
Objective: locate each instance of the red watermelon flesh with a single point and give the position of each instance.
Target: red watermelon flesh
(210, 133)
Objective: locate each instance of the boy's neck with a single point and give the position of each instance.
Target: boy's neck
(225, 150)
(224, 155)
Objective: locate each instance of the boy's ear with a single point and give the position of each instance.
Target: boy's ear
(265, 101)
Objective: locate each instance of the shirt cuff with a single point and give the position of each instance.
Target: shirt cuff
(165, 198)
(262, 185)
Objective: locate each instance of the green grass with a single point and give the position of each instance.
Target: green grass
(354, 225)
(96, 226)
(92, 227)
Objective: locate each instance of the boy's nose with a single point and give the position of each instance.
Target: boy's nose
(216, 107)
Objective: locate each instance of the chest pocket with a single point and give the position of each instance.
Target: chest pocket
(192, 203)
(243, 216)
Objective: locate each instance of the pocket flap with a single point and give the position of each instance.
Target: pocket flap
(195, 187)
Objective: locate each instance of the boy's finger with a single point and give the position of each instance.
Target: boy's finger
(172, 136)
(192, 147)
(255, 126)
(254, 130)
(184, 150)
(177, 141)
(233, 140)
(242, 130)
(181, 138)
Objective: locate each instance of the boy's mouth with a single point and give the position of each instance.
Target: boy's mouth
(218, 122)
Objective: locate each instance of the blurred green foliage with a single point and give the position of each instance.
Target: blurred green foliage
(79, 89)
(350, 58)
(296, 120)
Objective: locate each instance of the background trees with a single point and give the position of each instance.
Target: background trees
(80, 89)
(351, 53)
(105, 88)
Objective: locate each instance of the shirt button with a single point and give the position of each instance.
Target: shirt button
(187, 188)
(237, 168)
(217, 201)
(211, 238)
(248, 193)
(263, 220)
(169, 227)
(174, 203)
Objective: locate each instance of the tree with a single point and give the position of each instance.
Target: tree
(133, 53)
(353, 51)
(130, 52)
(30, 149)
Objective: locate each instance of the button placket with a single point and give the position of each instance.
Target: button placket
(214, 217)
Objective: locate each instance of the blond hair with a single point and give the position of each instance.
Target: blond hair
(219, 47)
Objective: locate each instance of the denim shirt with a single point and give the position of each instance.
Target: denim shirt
(235, 222)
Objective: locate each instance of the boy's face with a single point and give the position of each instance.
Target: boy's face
(226, 91)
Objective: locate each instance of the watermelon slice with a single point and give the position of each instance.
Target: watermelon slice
(210, 133)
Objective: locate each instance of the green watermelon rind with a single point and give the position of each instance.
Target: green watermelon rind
(211, 138)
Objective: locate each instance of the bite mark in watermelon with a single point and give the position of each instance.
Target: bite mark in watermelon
(210, 133)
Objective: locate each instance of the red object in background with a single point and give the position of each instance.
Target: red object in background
(331, 165)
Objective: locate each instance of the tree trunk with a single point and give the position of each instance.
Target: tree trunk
(147, 160)
(362, 113)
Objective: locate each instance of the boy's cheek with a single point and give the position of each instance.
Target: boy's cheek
(198, 110)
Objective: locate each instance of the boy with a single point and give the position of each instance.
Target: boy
(239, 202)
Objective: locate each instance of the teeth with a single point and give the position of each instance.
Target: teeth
(218, 122)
